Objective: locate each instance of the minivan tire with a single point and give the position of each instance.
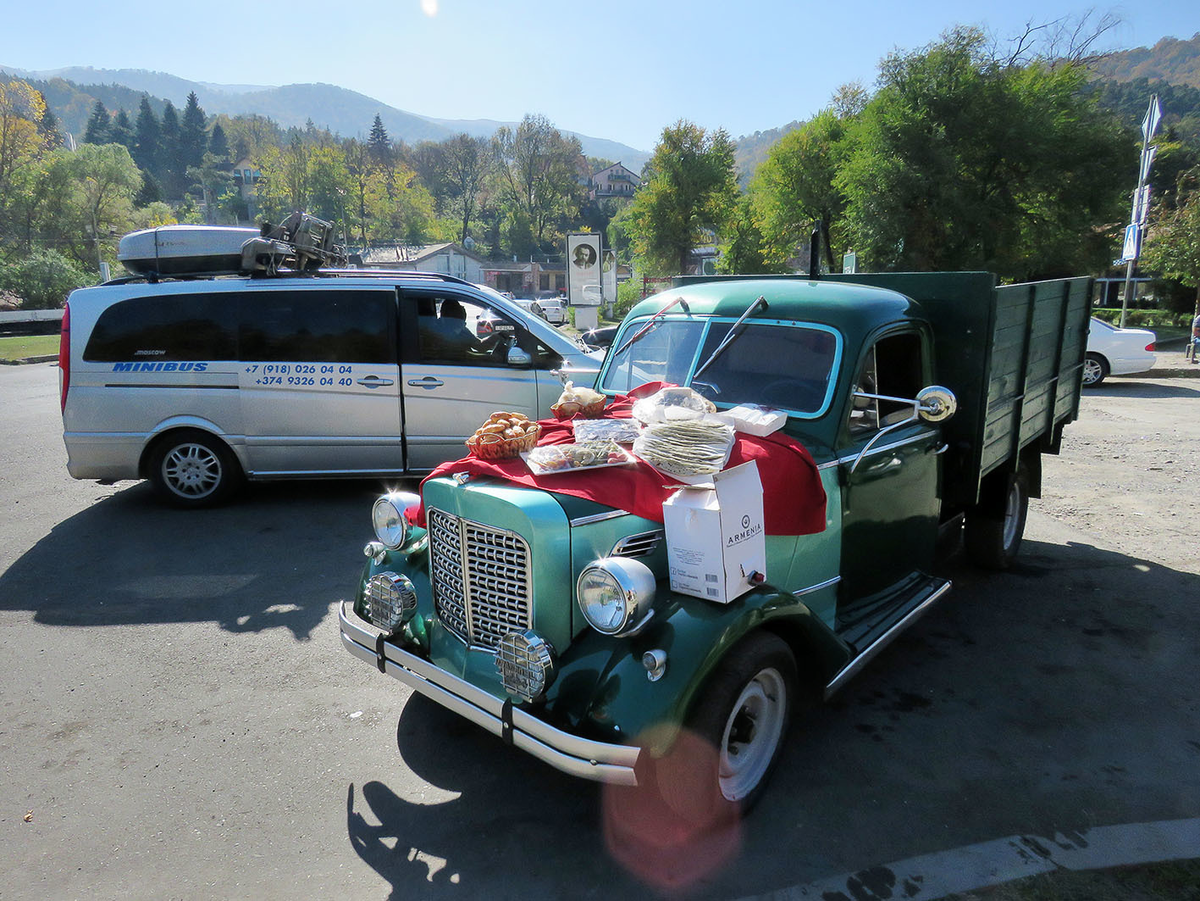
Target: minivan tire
(191, 468)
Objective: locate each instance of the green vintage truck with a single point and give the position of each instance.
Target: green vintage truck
(925, 401)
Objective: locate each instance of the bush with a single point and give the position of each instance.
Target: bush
(1145, 318)
(43, 279)
(628, 294)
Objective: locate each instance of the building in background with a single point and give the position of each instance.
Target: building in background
(615, 181)
(448, 259)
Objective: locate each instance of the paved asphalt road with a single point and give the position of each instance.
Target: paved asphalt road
(179, 719)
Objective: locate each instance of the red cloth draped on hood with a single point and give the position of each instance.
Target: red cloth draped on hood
(793, 498)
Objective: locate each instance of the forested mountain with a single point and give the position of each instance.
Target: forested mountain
(1171, 60)
(341, 111)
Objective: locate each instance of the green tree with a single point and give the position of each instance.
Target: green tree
(98, 125)
(379, 145)
(689, 185)
(108, 179)
(170, 173)
(540, 176)
(1173, 247)
(963, 162)
(147, 137)
(218, 144)
(193, 138)
(467, 165)
(121, 131)
(794, 188)
(42, 280)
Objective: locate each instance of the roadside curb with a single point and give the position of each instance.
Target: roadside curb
(987, 864)
(46, 358)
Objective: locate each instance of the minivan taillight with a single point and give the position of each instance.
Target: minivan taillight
(64, 358)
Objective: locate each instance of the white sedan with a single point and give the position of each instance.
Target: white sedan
(1116, 351)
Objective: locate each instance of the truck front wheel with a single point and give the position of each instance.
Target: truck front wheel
(992, 532)
(741, 717)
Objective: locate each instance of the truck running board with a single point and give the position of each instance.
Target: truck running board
(875, 634)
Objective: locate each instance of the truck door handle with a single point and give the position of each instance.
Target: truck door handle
(427, 382)
(939, 451)
(374, 381)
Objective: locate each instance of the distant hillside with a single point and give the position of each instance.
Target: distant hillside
(1170, 60)
(344, 112)
(752, 150)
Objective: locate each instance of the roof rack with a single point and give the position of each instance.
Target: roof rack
(301, 243)
(288, 273)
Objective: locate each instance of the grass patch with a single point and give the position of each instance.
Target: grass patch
(18, 347)
(1169, 881)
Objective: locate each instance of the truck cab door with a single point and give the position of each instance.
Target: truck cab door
(890, 495)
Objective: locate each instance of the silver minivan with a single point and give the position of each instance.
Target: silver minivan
(197, 384)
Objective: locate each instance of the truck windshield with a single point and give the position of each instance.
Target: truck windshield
(774, 364)
(664, 353)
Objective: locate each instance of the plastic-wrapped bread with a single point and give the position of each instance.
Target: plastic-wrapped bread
(689, 447)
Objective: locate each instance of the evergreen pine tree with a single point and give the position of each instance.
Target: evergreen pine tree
(98, 125)
(379, 144)
(146, 137)
(48, 129)
(121, 130)
(218, 144)
(192, 137)
(169, 167)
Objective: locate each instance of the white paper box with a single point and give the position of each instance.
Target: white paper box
(715, 536)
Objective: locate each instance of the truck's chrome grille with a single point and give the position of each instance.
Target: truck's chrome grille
(480, 579)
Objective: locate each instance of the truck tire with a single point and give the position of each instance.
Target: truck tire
(190, 468)
(1095, 370)
(992, 532)
(741, 718)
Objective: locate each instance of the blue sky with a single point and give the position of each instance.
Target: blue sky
(621, 69)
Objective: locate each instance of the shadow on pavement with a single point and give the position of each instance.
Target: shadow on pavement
(1050, 699)
(275, 557)
(1130, 387)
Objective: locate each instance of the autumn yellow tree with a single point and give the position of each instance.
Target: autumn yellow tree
(21, 141)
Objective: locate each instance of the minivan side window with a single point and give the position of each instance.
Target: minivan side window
(318, 326)
(170, 328)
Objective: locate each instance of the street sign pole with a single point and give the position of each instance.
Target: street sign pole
(1137, 218)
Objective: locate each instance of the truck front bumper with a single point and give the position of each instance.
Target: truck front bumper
(598, 761)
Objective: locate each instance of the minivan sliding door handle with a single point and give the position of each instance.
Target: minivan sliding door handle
(374, 381)
(427, 382)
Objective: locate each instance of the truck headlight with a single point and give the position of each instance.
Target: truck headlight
(387, 516)
(614, 592)
(525, 662)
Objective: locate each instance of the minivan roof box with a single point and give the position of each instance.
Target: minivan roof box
(300, 244)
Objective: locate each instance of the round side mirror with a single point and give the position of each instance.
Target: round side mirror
(936, 403)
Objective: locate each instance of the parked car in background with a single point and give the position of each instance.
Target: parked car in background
(1116, 351)
(531, 306)
(554, 310)
(600, 338)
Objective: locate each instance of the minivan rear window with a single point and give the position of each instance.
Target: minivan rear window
(172, 327)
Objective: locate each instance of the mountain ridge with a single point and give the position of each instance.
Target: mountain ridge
(344, 112)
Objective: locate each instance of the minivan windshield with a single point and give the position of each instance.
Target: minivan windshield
(786, 365)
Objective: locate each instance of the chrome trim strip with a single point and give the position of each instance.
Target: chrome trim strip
(811, 588)
(851, 668)
(587, 759)
(882, 448)
(598, 517)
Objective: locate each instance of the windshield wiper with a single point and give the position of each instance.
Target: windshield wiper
(729, 336)
(655, 321)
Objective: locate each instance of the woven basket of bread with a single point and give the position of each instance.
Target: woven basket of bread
(578, 402)
(504, 436)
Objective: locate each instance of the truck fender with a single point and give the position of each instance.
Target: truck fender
(695, 635)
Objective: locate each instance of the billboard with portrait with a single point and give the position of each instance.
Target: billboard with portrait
(583, 270)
